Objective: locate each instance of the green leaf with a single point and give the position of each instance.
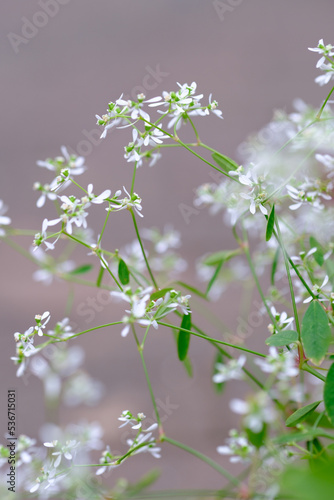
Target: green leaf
(220, 257)
(184, 337)
(188, 366)
(192, 289)
(319, 254)
(82, 269)
(274, 266)
(284, 337)
(270, 224)
(160, 293)
(330, 270)
(257, 438)
(329, 394)
(295, 437)
(304, 483)
(123, 272)
(301, 414)
(316, 334)
(214, 277)
(224, 162)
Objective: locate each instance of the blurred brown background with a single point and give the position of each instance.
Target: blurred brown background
(253, 58)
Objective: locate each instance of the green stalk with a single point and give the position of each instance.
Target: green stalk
(143, 251)
(202, 457)
(216, 341)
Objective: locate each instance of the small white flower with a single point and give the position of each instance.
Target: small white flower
(40, 325)
(129, 202)
(284, 365)
(238, 446)
(231, 370)
(97, 199)
(4, 220)
(257, 411)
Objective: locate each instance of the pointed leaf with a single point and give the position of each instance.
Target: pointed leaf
(316, 334)
(123, 272)
(82, 269)
(319, 254)
(329, 394)
(301, 414)
(192, 289)
(285, 337)
(274, 266)
(160, 293)
(220, 257)
(270, 224)
(214, 277)
(184, 337)
(224, 162)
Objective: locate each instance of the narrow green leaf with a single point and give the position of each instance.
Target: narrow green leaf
(270, 224)
(188, 366)
(329, 394)
(184, 337)
(192, 289)
(214, 277)
(186, 362)
(284, 337)
(330, 270)
(82, 269)
(123, 272)
(319, 254)
(274, 266)
(316, 333)
(220, 257)
(160, 293)
(257, 438)
(301, 414)
(224, 162)
(295, 437)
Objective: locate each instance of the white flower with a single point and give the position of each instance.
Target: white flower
(231, 370)
(97, 199)
(39, 325)
(138, 301)
(284, 365)
(169, 238)
(328, 162)
(316, 289)
(50, 268)
(326, 52)
(4, 220)
(238, 446)
(106, 462)
(129, 202)
(257, 411)
(42, 236)
(149, 447)
(65, 450)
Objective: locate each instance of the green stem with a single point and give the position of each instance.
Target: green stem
(324, 104)
(216, 341)
(286, 262)
(252, 268)
(133, 178)
(143, 251)
(314, 372)
(178, 140)
(202, 457)
(20, 250)
(148, 381)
